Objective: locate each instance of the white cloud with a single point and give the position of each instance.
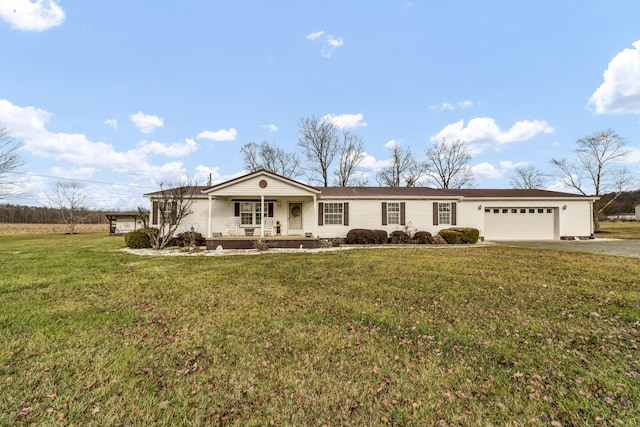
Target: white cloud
(483, 132)
(334, 42)
(328, 42)
(176, 149)
(346, 121)
(486, 170)
(27, 15)
(83, 172)
(112, 122)
(369, 163)
(392, 143)
(270, 128)
(29, 125)
(449, 106)
(146, 123)
(620, 91)
(315, 35)
(219, 135)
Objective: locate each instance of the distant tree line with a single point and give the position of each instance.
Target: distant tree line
(19, 214)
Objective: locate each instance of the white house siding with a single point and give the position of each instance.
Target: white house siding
(367, 214)
(198, 219)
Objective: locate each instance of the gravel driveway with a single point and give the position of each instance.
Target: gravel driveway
(608, 246)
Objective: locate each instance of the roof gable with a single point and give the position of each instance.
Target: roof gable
(261, 182)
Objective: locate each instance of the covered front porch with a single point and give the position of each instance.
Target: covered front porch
(260, 206)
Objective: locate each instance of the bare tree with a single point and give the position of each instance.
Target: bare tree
(169, 208)
(448, 164)
(351, 154)
(528, 177)
(596, 169)
(69, 198)
(10, 161)
(271, 157)
(403, 168)
(320, 144)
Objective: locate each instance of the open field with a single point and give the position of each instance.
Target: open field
(619, 230)
(9, 228)
(484, 335)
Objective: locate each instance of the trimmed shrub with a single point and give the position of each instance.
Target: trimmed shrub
(438, 240)
(379, 237)
(359, 236)
(460, 235)
(363, 236)
(139, 239)
(399, 237)
(423, 238)
(184, 239)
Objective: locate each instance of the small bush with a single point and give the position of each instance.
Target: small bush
(423, 238)
(359, 236)
(438, 240)
(458, 236)
(261, 245)
(379, 237)
(363, 236)
(139, 239)
(399, 237)
(184, 239)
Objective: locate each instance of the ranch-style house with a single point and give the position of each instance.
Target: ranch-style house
(264, 205)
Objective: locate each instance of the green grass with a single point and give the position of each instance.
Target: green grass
(486, 335)
(619, 230)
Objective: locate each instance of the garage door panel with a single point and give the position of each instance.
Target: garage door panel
(520, 223)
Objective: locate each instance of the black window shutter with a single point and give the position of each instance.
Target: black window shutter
(236, 209)
(402, 213)
(345, 211)
(270, 210)
(154, 214)
(435, 213)
(320, 213)
(453, 213)
(384, 213)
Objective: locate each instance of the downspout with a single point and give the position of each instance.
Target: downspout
(209, 219)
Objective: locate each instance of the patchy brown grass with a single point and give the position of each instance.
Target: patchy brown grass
(619, 230)
(6, 228)
(413, 336)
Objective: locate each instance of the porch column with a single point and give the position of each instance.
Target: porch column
(263, 215)
(209, 219)
(315, 216)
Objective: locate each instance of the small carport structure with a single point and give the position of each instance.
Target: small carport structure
(123, 222)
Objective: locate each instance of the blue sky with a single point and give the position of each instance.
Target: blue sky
(124, 95)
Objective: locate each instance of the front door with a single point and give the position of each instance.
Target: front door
(295, 219)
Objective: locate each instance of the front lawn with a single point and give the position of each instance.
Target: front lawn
(482, 335)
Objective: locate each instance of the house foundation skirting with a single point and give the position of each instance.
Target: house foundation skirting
(279, 242)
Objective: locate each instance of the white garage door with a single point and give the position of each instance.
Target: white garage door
(523, 223)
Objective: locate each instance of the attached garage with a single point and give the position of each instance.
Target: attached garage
(520, 223)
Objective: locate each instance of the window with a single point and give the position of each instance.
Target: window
(505, 210)
(393, 213)
(523, 210)
(532, 211)
(549, 210)
(444, 213)
(251, 212)
(333, 213)
(514, 211)
(540, 210)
